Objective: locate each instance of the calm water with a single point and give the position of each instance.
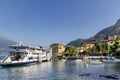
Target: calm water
(1, 57)
(59, 70)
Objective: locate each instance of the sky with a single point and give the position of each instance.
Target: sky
(44, 22)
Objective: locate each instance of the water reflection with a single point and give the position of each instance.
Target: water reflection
(59, 70)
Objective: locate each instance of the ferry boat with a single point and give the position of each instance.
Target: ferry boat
(20, 54)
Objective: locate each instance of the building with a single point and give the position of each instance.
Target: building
(57, 49)
(88, 45)
(80, 49)
(85, 46)
(110, 40)
(112, 37)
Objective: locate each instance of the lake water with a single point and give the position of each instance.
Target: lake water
(1, 57)
(60, 70)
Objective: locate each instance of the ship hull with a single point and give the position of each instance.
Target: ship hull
(17, 64)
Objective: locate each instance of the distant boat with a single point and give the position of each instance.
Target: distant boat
(111, 60)
(95, 62)
(21, 55)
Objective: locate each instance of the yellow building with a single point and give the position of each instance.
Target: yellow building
(57, 49)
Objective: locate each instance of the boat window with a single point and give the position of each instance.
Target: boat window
(38, 49)
(35, 53)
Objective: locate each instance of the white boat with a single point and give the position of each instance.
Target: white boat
(111, 60)
(21, 54)
(95, 62)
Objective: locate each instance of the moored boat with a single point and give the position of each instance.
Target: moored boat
(95, 62)
(20, 55)
(111, 60)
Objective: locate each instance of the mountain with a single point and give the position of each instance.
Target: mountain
(111, 30)
(4, 43)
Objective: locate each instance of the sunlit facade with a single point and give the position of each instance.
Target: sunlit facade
(57, 49)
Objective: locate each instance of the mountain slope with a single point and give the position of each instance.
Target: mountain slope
(4, 43)
(112, 30)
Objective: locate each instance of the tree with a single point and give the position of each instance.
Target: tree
(70, 50)
(98, 47)
(85, 52)
(115, 47)
(118, 38)
(107, 47)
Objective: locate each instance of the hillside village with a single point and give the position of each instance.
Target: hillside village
(102, 46)
(105, 41)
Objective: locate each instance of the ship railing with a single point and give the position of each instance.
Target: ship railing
(5, 58)
(18, 50)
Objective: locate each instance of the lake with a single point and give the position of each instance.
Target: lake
(1, 57)
(60, 70)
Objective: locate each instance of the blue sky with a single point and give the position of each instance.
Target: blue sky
(43, 22)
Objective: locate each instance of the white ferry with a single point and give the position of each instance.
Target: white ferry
(21, 54)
